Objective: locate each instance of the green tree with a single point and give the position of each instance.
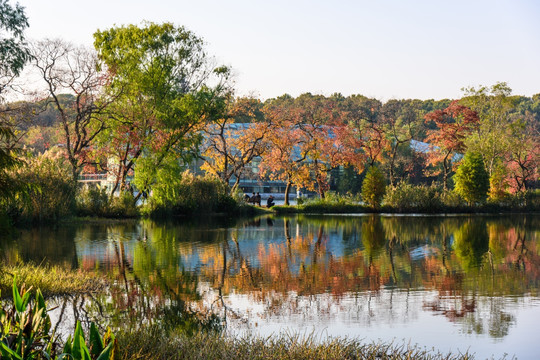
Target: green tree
(471, 179)
(13, 55)
(13, 50)
(493, 106)
(169, 88)
(373, 187)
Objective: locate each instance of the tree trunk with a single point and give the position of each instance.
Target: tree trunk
(445, 173)
(235, 186)
(287, 190)
(320, 187)
(392, 164)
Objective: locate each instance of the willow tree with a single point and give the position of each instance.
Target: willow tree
(168, 87)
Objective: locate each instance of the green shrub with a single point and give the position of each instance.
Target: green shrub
(373, 187)
(452, 200)
(92, 201)
(407, 197)
(49, 191)
(331, 203)
(95, 201)
(123, 206)
(471, 179)
(192, 195)
(524, 200)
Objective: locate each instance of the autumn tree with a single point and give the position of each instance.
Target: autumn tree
(284, 160)
(169, 87)
(399, 122)
(234, 140)
(65, 68)
(453, 124)
(317, 118)
(361, 114)
(523, 155)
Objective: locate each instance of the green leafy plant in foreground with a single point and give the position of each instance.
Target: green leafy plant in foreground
(25, 333)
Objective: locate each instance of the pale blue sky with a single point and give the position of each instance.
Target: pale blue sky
(384, 49)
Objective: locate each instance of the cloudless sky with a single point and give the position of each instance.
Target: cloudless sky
(379, 48)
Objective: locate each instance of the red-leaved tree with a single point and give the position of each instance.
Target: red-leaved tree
(453, 124)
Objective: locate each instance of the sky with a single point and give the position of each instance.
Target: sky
(385, 49)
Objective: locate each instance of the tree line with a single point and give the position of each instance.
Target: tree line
(147, 100)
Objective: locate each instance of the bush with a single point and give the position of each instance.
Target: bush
(92, 201)
(373, 187)
(471, 179)
(123, 206)
(452, 200)
(49, 191)
(95, 201)
(332, 203)
(407, 197)
(525, 200)
(192, 195)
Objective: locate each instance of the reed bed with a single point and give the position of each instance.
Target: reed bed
(151, 343)
(51, 280)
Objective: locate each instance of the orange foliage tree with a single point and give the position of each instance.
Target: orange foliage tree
(235, 139)
(316, 118)
(523, 155)
(453, 124)
(284, 160)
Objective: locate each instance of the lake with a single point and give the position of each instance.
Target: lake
(456, 283)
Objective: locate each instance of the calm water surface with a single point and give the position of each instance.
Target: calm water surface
(456, 283)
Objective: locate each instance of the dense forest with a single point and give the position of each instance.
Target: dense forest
(147, 101)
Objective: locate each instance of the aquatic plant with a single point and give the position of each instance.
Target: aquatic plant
(25, 333)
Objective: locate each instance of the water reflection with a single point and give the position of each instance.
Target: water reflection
(362, 271)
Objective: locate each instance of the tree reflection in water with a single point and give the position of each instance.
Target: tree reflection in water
(354, 269)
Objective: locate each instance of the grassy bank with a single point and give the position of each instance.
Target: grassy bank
(52, 280)
(154, 344)
(425, 202)
(329, 208)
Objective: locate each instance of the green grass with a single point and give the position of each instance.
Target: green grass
(52, 280)
(154, 344)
